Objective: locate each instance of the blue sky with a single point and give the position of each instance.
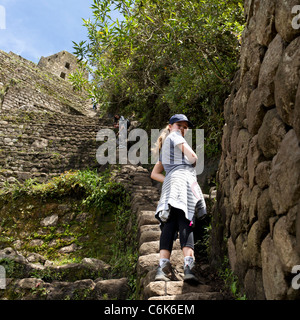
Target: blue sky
(36, 28)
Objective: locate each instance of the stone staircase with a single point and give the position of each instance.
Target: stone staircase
(38, 143)
(46, 129)
(144, 200)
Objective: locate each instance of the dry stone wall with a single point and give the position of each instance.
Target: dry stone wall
(61, 64)
(45, 128)
(24, 83)
(258, 206)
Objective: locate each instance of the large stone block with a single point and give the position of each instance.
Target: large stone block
(285, 174)
(237, 195)
(253, 158)
(297, 113)
(265, 22)
(274, 282)
(271, 133)
(262, 174)
(285, 245)
(284, 18)
(268, 71)
(287, 81)
(253, 284)
(243, 141)
(253, 246)
(255, 112)
(264, 211)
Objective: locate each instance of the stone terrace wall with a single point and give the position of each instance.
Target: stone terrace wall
(258, 207)
(39, 143)
(45, 126)
(24, 83)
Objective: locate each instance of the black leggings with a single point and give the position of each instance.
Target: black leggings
(176, 222)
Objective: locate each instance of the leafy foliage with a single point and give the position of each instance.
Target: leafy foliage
(162, 58)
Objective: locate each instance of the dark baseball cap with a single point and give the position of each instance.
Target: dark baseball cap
(180, 117)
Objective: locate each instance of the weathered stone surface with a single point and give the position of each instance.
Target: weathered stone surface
(231, 254)
(192, 296)
(147, 263)
(285, 174)
(253, 158)
(147, 218)
(260, 190)
(161, 288)
(284, 18)
(255, 194)
(237, 195)
(264, 211)
(96, 264)
(149, 248)
(265, 22)
(285, 245)
(243, 141)
(50, 221)
(286, 82)
(242, 262)
(262, 174)
(253, 246)
(10, 253)
(255, 112)
(112, 289)
(68, 249)
(271, 133)
(254, 285)
(296, 123)
(268, 71)
(274, 282)
(149, 233)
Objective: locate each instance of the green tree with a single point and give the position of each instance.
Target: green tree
(162, 58)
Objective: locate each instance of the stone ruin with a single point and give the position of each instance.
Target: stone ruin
(45, 125)
(61, 64)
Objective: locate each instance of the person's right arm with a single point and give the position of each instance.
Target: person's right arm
(156, 173)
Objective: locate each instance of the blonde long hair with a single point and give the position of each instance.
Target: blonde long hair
(160, 141)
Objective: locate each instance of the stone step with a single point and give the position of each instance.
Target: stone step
(150, 262)
(146, 218)
(87, 289)
(171, 288)
(153, 247)
(148, 233)
(191, 296)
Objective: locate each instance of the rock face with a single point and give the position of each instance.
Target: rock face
(258, 202)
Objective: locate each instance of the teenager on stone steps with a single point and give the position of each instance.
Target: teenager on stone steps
(181, 197)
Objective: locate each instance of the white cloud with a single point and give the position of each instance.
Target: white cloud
(19, 45)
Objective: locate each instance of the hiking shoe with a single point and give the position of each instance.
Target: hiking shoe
(165, 273)
(189, 276)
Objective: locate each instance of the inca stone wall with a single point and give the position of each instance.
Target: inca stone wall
(258, 207)
(61, 64)
(45, 126)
